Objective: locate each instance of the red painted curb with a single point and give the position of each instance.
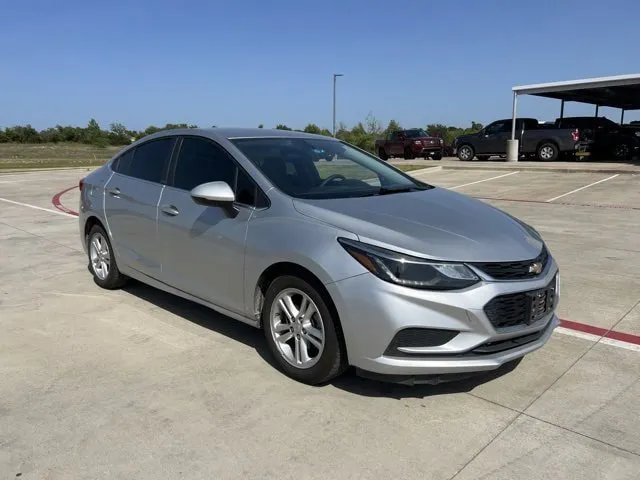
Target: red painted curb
(601, 332)
(56, 202)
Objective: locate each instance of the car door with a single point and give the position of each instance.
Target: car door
(203, 244)
(495, 137)
(131, 200)
(397, 144)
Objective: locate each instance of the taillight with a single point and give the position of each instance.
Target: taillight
(81, 184)
(575, 135)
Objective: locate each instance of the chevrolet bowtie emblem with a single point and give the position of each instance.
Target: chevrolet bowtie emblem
(535, 268)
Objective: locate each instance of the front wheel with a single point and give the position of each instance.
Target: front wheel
(547, 152)
(383, 154)
(301, 332)
(465, 153)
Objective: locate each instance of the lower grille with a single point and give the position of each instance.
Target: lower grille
(418, 337)
(522, 308)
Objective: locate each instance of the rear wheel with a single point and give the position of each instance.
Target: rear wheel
(465, 153)
(408, 154)
(484, 158)
(102, 261)
(382, 154)
(621, 151)
(547, 152)
(437, 156)
(302, 332)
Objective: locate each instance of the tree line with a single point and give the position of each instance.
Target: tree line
(363, 134)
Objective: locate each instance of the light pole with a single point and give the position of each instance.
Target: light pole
(335, 75)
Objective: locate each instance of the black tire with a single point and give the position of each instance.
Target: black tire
(466, 153)
(382, 154)
(437, 156)
(114, 279)
(408, 154)
(484, 158)
(333, 360)
(621, 151)
(547, 152)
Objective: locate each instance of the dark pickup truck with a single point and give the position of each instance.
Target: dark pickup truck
(542, 141)
(411, 143)
(607, 138)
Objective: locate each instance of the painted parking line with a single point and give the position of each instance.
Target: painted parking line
(592, 333)
(35, 207)
(484, 180)
(582, 188)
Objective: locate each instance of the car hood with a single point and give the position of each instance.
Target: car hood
(435, 223)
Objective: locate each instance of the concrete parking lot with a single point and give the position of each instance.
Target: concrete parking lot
(140, 384)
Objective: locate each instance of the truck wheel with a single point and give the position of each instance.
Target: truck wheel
(408, 154)
(437, 156)
(621, 151)
(382, 154)
(465, 153)
(547, 152)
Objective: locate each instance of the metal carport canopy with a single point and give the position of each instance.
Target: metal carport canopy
(619, 91)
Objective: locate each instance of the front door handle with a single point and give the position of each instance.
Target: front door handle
(115, 192)
(170, 210)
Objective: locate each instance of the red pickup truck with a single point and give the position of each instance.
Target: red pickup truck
(411, 143)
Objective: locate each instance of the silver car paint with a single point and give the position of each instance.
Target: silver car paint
(217, 261)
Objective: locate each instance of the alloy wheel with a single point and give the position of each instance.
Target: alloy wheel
(546, 152)
(465, 153)
(297, 328)
(99, 255)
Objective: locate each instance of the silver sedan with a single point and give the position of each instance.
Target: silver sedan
(340, 258)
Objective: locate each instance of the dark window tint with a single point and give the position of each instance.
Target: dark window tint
(150, 160)
(122, 164)
(246, 190)
(201, 161)
(498, 127)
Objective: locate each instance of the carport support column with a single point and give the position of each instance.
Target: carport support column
(512, 144)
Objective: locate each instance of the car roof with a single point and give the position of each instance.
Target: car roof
(238, 132)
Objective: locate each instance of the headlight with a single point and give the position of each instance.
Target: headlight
(418, 142)
(410, 271)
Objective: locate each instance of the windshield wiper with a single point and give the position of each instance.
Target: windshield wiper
(400, 189)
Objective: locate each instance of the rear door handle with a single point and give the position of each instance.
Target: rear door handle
(170, 210)
(114, 191)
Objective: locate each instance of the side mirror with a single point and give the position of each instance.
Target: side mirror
(216, 192)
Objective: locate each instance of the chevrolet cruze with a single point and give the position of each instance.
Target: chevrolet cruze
(342, 260)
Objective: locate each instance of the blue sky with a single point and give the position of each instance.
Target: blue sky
(244, 63)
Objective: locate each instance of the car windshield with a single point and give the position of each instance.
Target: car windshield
(416, 133)
(318, 168)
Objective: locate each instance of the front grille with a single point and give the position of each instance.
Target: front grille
(522, 308)
(514, 270)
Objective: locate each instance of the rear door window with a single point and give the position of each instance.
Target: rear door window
(122, 164)
(150, 160)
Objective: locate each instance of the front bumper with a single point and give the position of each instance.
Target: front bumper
(372, 312)
(430, 150)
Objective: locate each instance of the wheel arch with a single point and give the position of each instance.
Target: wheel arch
(279, 269)
(89, 223)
